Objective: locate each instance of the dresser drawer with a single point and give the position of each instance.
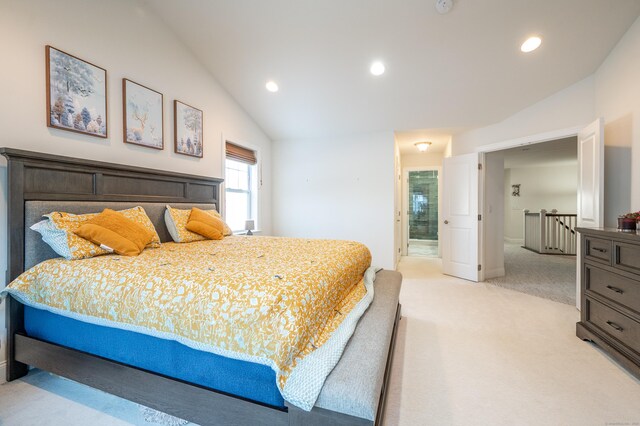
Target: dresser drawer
(627, 257)
(622, 290)
(614, 324)
(597, 249)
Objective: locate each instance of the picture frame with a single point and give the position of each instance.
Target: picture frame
(76, 94)
(143, 115)
(188, 134)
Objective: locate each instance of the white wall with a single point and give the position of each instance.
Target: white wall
(341, 188)
(553, 187)
(493, 215)
(129, 41)
(617, 98)
(431, 159)
(612, 93)
(571, 107)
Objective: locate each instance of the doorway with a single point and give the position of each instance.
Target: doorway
(422, 212)
(539, 186)
(590, 192)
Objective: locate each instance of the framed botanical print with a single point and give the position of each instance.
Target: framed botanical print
(76, 94)
(187, 129)
(143, 115)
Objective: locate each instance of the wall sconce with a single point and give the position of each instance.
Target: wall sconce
(422, 146)
(516, 190)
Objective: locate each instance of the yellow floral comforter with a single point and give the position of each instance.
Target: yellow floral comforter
(262, 299)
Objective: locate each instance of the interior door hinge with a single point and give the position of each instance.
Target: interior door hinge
(479, 166)
(479, 217)
(479, 267)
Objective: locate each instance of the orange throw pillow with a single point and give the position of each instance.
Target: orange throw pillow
(202, 223)
(114, 231)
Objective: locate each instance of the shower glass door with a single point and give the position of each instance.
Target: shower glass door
(423, 213)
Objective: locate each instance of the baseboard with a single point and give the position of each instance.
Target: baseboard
(514, 240)
(494, 273)
(3, 372)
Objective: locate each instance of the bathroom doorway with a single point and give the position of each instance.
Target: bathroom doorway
(421, 212)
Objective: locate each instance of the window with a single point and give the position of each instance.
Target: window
(241, 184)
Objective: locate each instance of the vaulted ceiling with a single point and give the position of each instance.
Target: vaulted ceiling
(460, 70)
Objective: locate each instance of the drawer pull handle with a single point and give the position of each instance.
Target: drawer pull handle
(614, 326)
(616, 289)
(601, 250)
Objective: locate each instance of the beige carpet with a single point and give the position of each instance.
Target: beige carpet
(468, 354)
(477, 354)
(549, 276)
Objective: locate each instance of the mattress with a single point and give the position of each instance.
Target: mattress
(290, 305)
(248, 380)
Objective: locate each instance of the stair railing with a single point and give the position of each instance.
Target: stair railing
(550, 233)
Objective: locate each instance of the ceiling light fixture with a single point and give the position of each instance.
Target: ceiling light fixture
(422, 146)
(531, 44)
(377, 68)
(271, 86)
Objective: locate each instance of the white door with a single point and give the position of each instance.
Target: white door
(590, 184)
(459, 226)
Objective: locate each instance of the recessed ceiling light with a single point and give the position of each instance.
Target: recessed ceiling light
(377, 68)
(271, 86)
(531, 44)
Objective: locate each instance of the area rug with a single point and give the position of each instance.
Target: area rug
(543, 275)
(158, 417)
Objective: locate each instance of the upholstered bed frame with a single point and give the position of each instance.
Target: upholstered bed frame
(353, 394)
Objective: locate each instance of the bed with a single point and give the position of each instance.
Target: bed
(184, 387)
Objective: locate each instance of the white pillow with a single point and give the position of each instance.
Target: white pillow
(171, 226)
(54, 237)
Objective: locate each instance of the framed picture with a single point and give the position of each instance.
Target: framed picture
(143, 115)
(188, 129)
(76, 94)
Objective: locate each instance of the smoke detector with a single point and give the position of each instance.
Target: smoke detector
(444, 6)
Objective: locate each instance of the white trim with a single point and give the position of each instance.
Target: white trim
(494, 273)
(3, 372)
(482, 274)
(405, 203)
(512, 143)
(530, 140)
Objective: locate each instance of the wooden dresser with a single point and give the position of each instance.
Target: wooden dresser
(610, 293)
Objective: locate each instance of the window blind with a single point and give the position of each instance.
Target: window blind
(241, 154)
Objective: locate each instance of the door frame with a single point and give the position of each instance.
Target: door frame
(405, 203)
(523, 141)
(532, 139)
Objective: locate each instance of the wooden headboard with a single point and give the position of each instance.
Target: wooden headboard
(34, 176)
(37, 176)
